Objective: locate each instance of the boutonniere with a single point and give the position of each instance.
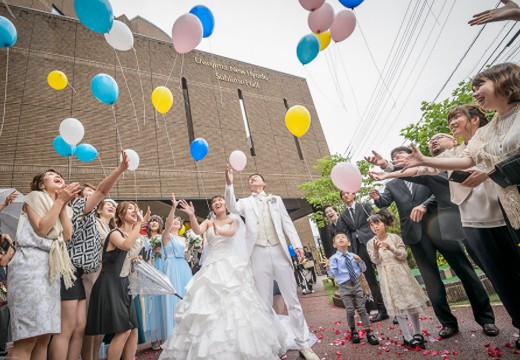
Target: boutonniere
(271, 199)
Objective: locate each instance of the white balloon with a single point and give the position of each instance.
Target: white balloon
(133, 159)
(72, 131)
(120, 37)
(238, 160)
(346, 176)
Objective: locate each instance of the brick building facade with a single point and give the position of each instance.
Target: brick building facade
(212, 95)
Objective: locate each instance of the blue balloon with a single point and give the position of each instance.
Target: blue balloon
(292, 252)
(206, 18)
(105, 88)
(86, 152)
(199, 149)
(62, 147)
(308, 48)
(8, 34)
(96, 15)
(351, 4)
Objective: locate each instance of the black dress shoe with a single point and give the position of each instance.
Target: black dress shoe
(420, 339)
(355, 337)
(380, 317)
(372, 340)
(517, 343)
(413, 344)
(447, 332)
(490, 329)
(394, 320)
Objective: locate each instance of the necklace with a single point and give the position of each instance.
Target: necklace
(503, 124)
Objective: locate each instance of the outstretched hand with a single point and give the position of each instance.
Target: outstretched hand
(510, 11)
(376, 159)
(415, 159)
(147, 215)
(123, 165)
(175, 202)
(378, 175)
(186, 208)
(229, 174)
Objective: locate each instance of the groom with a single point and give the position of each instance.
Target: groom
(266, 221)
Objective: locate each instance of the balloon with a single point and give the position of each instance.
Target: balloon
(351, 4)
(105, 88)
(324, 39)
(343, 25)
(120, 37)
(162, 99)
(311, 5)
(186, 33)
(199, 149)
(8, 34)
(57, 80)
(182, 230)
(238, 160)
(86, 152)
(96, 15)
(346, 176)
(133, 159)
(298, 120)
(321, 19)
(206, 18)
(72, 131)
(61, 146)
(308, 48)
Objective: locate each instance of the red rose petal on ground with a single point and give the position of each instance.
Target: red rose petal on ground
(425, 352)
(435, 352)
(320, 336)
(508, 345)
(486, 345)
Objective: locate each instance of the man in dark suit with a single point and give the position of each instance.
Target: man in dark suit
(419, 215)
(355, 221)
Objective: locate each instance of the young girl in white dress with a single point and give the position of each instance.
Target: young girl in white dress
(402, 294)
(222, 316)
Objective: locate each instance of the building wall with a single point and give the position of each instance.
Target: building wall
(34, 111)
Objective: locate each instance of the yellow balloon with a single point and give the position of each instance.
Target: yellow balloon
(182, 230)
(162, 99)
(57, 80)
(324, 39)
(298, 120)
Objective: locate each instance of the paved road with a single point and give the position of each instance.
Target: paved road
(329, 322)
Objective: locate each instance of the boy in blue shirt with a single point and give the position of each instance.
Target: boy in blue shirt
(345, 268)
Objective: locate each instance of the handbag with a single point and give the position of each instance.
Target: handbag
(309, 264)
(3, 293)
(507, 172)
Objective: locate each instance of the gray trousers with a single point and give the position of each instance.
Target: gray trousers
(353, 299)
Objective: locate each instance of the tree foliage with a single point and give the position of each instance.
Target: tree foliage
(435, 115)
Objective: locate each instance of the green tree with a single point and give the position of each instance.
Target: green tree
(435, 115)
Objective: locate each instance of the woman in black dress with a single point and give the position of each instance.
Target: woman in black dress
(111, 309)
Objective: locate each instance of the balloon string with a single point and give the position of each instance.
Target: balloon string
(218, 82)
(141, 83)
(117, 129)
(135, 186)
(69, 166)
(171, 71)
(321, 91)
(128, 88)
(5, 91)
(102, 167)
(202, 184)
(71, 87)
(9, 9)
(169, 141)
(180, 75)
(336, 51)
(335, 80)
(242, 183)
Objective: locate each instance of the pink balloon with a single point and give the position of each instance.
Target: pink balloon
(311, 5)
(238, 160)
(346, 176)
(186, 33)
(321, 19)
(343, 25)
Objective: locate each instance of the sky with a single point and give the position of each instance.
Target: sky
(368, 87)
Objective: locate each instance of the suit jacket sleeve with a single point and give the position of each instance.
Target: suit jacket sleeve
(431, 202)
(386, 199)
(288, 225)
(233, 206)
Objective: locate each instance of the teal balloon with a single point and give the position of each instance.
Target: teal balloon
(62, 147)
(105, 88)
(199, 149)
(206, 18)
(86, 152)
(96, 15)
(351, 4)
(8, 34)
(308, 48)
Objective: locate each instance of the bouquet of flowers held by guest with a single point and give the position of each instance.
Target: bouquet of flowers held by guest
(194, 240)
(155, 241)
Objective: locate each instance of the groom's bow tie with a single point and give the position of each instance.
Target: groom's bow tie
(258, 196)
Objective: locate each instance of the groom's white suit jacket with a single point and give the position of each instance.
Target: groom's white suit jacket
(247, 208)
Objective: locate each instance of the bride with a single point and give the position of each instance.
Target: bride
(222, 315)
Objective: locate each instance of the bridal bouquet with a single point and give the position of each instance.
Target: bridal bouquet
(155, 241)
(194, 241)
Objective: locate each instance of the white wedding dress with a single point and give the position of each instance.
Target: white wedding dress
(222, 316)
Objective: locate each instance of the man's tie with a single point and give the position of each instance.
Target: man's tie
(351, 211)
(350, 269)
(409, 185)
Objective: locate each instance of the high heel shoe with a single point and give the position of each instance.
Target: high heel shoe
(420, 339)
